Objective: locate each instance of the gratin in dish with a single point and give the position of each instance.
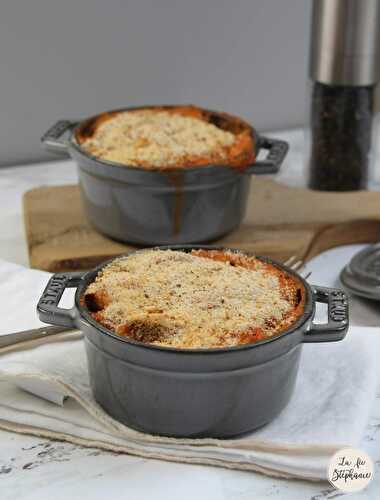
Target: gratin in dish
(167, 137)
(201, 299)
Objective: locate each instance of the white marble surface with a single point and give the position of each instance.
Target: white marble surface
(32, 468)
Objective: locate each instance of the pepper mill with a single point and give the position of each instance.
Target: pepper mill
(344, 74)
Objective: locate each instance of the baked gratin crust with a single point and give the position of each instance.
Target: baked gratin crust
(202, 299)
(168, 137)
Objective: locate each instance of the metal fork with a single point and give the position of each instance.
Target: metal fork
(49, 331)
(297, 265)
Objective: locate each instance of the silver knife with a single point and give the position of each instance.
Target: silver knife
(34, 334)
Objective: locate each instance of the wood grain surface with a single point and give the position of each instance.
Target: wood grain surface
(281, 221)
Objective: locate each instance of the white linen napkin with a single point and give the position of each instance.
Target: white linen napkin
(328, 411)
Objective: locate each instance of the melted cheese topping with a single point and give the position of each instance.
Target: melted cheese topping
(152, 138)
(201, 299)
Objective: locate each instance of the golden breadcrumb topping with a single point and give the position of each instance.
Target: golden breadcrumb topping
(201, 299)
(156, 138)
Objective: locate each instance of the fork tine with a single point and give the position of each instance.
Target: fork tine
(297, 266)
(290, 260)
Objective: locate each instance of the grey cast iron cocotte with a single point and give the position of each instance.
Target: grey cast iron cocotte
(151, 207)
(219, 392)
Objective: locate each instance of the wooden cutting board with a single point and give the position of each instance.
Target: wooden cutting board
(281, 221)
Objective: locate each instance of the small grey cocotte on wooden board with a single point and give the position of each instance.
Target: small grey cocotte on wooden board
(329, 409)
(280, 221)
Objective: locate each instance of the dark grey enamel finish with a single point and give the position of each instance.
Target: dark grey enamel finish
(151, 207)
(220, 392)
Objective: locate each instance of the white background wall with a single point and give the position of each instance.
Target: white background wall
(73, 58)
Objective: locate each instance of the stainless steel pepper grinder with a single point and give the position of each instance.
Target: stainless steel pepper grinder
(344, 74)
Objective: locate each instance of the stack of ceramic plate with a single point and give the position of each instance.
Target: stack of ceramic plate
(362, 275)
